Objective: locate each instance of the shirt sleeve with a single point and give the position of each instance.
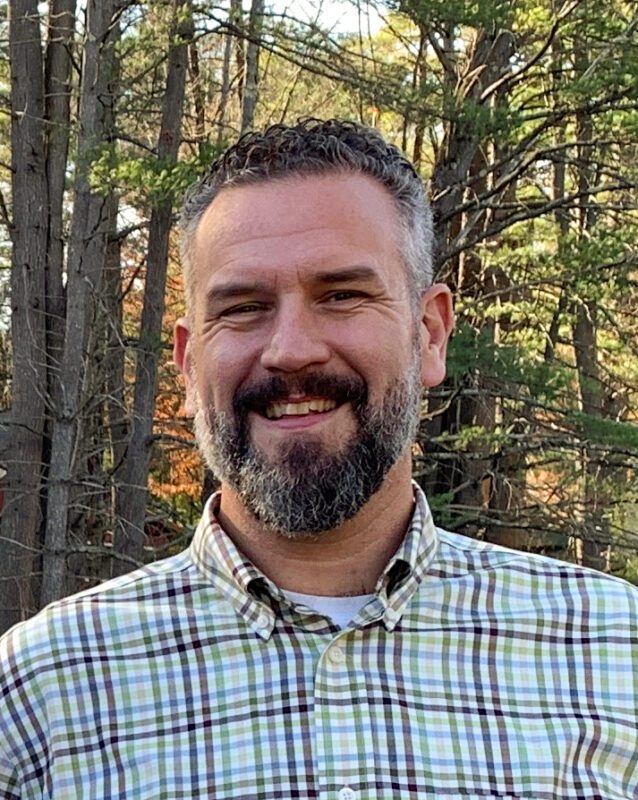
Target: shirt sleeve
(22, 733)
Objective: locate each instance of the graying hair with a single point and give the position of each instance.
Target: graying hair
(315, 147)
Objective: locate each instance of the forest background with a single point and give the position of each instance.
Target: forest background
(523, 114)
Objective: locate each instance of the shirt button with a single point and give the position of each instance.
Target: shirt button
(337, 656)
(263, 622)
(346, 793)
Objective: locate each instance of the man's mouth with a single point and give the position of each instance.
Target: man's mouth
(289, 403)
(299, 408)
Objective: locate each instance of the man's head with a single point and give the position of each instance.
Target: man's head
(316, 147)
(307, 341)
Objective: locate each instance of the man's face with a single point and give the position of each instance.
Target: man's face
(303, 358)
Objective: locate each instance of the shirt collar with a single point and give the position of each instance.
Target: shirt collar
(215, 555)
(409, 565)
(225, 567)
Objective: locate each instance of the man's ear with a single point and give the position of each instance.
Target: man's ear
(183, 358)
(437, 323)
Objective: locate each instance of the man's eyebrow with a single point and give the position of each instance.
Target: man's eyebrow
(229, 291)
(234, 289)
(347, 274)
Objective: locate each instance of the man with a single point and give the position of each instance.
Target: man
(321, 638)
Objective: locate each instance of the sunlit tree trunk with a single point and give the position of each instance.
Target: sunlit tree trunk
(58, 113)
(21, 515)
(251, 83)
(85, 264)
(584, 331)
(58, 65)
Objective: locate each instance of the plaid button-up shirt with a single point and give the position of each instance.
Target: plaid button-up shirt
(474, 672)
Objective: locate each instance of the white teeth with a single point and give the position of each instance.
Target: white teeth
(277, 410)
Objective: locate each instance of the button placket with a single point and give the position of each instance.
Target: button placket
(338, 752)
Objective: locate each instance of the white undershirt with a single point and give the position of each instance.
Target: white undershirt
(341, 610)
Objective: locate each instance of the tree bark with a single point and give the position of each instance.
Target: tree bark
(58, 109)
(251, 83)
(21, 515)
(114, 379)
(584, 332)
(84, 274)
(460, 174)
(489, 61)
(104, 423)
(561, 214)
(225, 89)
(236, 19)
(131, 494)
(596, 537)
(418, 82)
(57, 78)
(198, 93)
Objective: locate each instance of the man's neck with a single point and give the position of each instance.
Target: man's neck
(347, 560)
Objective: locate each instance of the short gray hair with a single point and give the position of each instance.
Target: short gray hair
(315, 147)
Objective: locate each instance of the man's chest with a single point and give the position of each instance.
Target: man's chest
(359, 716)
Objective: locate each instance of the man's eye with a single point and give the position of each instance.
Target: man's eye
(344, 295)
(244, 308)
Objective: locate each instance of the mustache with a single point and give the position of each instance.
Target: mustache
(258, 396)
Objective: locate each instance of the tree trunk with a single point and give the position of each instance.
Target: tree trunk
(251, 83)
(225, 89)
(131, 494)
(504, 484)
(419, 82)
(460, 174)
(104, 418)
(489, 60)
(236, 19)
(21, 515)
(594, 525)
(114, 380)
(58, 107)
(198, 94)
(57, 77)
(594, 541)
(84, 274)
(561, 214)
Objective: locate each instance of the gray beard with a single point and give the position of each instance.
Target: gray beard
(306, 490)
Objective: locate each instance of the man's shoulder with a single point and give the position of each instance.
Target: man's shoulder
(538, 578)
(118, 606)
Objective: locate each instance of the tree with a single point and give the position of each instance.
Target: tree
(29, 234)
(131, 492)
(517, 95)
(524, 116)
(84, 273)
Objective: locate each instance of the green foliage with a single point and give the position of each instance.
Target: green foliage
(443, 513)
(475, 438)
(472, 352)
(152, 180)
(456, 13)
(479, 119)
(606, 432)
(514, 147)
(628, 569)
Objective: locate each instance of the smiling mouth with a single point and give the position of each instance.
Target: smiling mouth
(300, 408)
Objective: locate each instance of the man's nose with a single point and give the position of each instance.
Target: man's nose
(295, 341)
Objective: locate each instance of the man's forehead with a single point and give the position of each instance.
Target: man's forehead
(235, 206)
